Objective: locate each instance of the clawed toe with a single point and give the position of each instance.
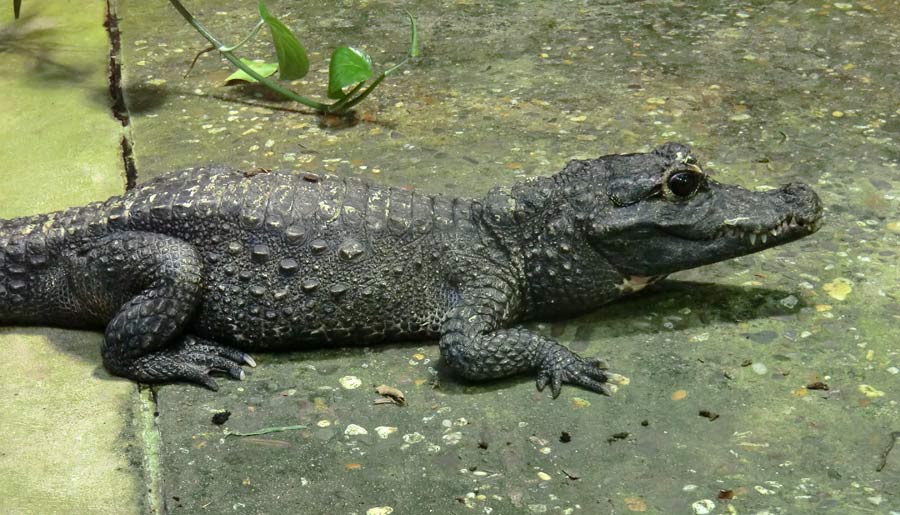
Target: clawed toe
(567, 367)
(192, 361)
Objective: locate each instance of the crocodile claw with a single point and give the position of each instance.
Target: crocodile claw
(564, 366)
(192, 360)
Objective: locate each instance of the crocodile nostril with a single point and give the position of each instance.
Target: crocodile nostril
(802, 195)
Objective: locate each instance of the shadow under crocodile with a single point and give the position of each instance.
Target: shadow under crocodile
(668, 307)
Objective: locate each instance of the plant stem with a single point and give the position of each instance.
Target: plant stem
(274, 86)
(365, 92)
(372, 86)
(255, 31)
(337, 106)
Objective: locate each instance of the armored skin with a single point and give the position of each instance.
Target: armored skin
(186, 269)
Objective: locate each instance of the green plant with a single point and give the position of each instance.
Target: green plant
(349, 67)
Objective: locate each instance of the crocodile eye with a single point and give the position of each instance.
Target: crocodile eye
(684, 184)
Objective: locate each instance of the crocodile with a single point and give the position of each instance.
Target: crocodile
(190, 271)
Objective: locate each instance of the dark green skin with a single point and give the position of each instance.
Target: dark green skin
(187, 268)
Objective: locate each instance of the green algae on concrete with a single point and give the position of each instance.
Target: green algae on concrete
(63, 443)
(61, 144)
(770, 92)
(65, 423)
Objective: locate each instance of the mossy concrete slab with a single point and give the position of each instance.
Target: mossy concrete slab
(65, 444)
(67, 441)
(727, 409)
(61, 144)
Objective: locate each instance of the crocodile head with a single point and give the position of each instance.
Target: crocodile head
(656, 213)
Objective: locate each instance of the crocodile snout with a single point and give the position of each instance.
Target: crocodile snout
(804, 202)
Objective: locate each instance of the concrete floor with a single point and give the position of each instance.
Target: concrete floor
(67, 438)
(767, 92)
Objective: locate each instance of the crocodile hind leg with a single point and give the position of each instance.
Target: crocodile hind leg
(150, 286)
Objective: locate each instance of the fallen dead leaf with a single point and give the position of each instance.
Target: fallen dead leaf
(391, 393)
(635, 504)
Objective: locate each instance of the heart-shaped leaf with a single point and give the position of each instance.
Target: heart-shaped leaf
(293, 62)
(348, 66)
(264, 69)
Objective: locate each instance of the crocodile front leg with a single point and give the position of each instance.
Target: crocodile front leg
(149, 284)
(476, 346)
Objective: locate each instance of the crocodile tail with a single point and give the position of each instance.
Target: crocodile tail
(12, 245)
(33, 272)
(25, 255)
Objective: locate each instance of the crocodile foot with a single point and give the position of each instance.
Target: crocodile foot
(560, 365)
(192, 360)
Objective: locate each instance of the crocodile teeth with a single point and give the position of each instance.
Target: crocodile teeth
(774, 232)
(752, 238)
(763, 237)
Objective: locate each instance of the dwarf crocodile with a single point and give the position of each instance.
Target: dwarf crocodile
(186, 269)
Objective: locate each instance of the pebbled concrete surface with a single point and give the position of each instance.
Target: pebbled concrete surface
(725, 411)
(768, 92)
(722, 414)
(66, 444)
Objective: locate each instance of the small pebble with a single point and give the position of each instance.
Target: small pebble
(759, 368)
(220, 417)
(385, 431)
(355, 430)
(413, 437)
(578, 402)
(870, 391)
(452, 438)
(350, 382)
(839, 288)
(703, 506)
(790, 301)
